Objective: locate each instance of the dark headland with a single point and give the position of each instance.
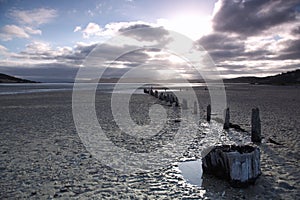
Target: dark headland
(4, 78)
(287, 78)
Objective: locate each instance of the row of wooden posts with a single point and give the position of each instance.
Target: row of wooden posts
(171, 99)
(226, 161)
(255, 123)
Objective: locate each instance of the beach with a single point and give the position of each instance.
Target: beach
(43, 157)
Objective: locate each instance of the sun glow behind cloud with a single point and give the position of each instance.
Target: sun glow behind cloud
(190, 24)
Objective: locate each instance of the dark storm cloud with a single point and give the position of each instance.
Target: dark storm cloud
(291, 50)
(293, 46)
(296, 30)
(252, 17)
(245, 30)
(221, 41)
(222, 47)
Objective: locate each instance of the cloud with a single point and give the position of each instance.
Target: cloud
(296, 30)
(250, 37)
(145, 32)
(28, 20)
(111, 29)
(254, 16)
(32, 31)
(33, 17)
(37, 48)
(91, 30)
(38, 52)
(3, 50)
(222, 46)
(77, 28)
(291, 50)
(117, 58)
(8, 32)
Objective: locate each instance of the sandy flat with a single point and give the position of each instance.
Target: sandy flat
(42, 155)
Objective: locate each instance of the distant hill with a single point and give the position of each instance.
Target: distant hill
(287, 78)
(10, 79)
(141, 80)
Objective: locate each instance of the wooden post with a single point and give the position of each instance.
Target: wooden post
(195, 107)
(161, 96)
(171, 99)
(184, 104)
(208, 113)
(151, 92)
(165, 97)
(156, 93)
(176, 102)
(227, 119)
(238, 164)
(255, 126)
(146, 91)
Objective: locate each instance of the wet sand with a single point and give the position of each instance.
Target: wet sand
(42, 155)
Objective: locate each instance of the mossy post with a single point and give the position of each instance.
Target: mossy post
(208, 113)
(227, 119)
(255, 126)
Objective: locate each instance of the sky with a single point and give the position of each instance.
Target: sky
(49, 41)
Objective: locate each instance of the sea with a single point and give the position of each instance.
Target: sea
(20, 88)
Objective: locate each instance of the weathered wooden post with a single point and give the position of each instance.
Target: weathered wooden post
(146, 91)
(227, 119)
(184, 104)
(151, 92)
(165, 97)
(240, 165)
(161, 96)
(255, 126)
(195, 107)
(156, 94)
(171, 99)
(208, 113)
(176, 102)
